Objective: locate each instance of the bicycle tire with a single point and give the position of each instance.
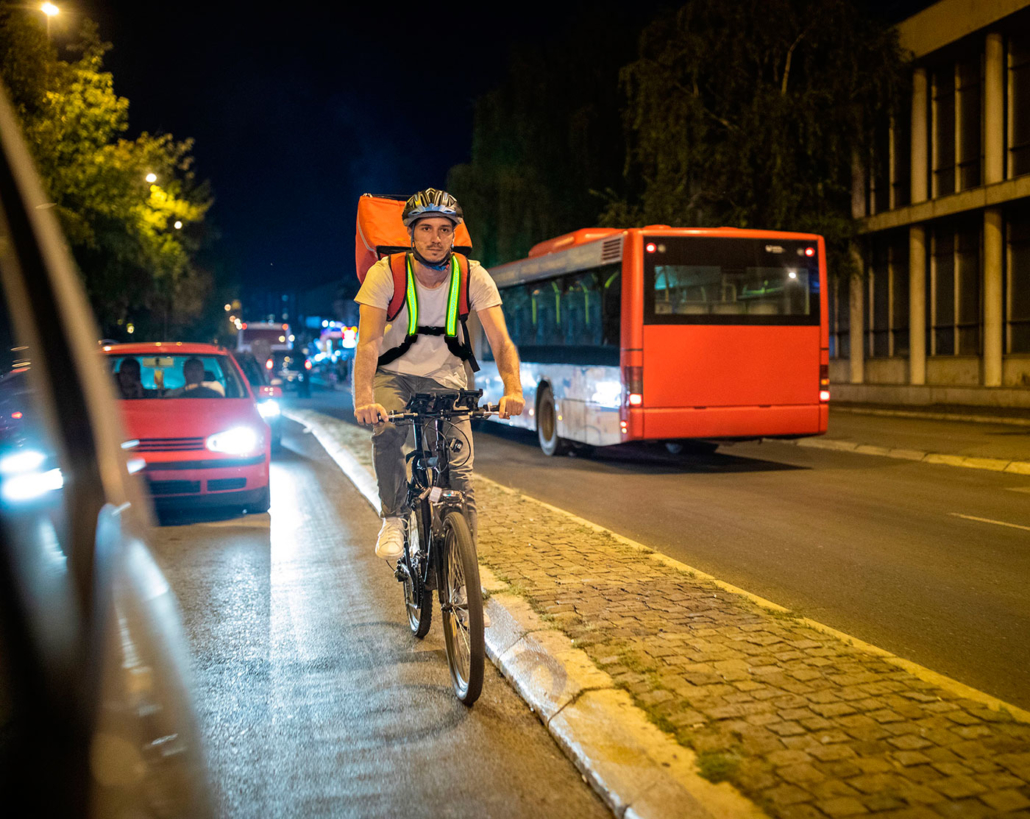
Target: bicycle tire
(418, 602)
(461, 602)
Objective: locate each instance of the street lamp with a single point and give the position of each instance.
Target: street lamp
(151, 177)
(178, 225)
(50, 10)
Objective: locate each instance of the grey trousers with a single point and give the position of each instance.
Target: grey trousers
(390, 443)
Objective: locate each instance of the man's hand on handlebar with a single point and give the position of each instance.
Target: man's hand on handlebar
(370, 414)
(511, 405)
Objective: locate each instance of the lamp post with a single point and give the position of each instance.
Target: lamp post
(50, 10)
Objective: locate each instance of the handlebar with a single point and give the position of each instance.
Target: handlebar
(476, 413)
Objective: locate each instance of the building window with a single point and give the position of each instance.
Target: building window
(879, 298)
(879, 197)
(899, 295)
(840, 317)
(901, 160)
(944, 130)
(1017, 325)
(968, 252)
(943, 292)
(970, 142)
(1019, 106)
(955, 288)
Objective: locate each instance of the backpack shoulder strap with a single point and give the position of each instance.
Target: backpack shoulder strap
(464, 305)
(400, 284)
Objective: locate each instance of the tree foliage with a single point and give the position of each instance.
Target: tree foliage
(546, 139)
(752, 113)
(136, 264)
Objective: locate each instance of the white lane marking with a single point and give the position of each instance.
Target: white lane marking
(988, 520)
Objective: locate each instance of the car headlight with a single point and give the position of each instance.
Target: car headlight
(235, 441)
(269, 409)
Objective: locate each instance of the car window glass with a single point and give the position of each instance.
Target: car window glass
(172, 376)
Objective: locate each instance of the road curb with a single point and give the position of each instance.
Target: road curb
(638, 770)
(942, 458)
(934, 416)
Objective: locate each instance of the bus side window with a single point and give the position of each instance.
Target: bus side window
(611, 307)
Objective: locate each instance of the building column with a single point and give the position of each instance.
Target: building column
(917, 304)
(994, 110)
(993, 306)
(919, 136)
(856, 330)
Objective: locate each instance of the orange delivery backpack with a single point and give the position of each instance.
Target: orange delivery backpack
(380, 232)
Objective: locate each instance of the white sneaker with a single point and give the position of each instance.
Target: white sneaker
(390, 543)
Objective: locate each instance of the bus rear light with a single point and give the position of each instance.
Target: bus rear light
(633, 384)
(809, 251)
(624, 425)
(824, 375)
(650, 247)
(824, 396)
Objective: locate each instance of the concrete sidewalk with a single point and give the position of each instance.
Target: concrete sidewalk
(997, 441)
(677, 695)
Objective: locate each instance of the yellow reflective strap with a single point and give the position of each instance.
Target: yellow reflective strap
(452, 298)
(412, 300)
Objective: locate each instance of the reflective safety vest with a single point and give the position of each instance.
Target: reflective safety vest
(402, 266)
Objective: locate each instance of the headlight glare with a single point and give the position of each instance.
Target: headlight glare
(269, 409)
(235, 441)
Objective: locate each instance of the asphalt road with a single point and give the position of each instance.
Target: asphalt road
(314, 697)
(875, 547)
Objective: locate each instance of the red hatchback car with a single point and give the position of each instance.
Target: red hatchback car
(196, 422)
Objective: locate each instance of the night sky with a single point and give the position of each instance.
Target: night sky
(296, 110)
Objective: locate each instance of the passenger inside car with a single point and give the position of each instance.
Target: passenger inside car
(193, 373)
(129, 383)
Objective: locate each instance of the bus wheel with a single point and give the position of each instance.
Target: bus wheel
(547, 425)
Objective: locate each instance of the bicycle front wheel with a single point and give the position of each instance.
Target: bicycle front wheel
(461, 600)
(418, 601)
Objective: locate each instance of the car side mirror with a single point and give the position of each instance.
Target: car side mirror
(271, 392)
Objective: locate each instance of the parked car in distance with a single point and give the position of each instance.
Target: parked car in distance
(265, 392)
(96, 712)
(196, 423)
(292, 368)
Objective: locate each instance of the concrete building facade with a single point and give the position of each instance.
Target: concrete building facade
(942, 312)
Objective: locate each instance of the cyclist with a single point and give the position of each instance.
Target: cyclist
(391, 363)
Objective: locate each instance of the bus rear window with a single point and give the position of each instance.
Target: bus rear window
(704, 280)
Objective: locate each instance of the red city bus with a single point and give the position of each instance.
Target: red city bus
(667, 334)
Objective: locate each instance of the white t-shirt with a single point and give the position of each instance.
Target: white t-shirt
(428, 356)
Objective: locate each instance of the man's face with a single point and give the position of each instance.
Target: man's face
(433, 237)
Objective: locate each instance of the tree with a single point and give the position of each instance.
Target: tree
(133, 239)
(547, 138)
(752, 112)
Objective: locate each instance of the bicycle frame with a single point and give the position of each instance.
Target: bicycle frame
(430, 484)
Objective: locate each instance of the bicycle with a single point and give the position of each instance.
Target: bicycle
(439, 552)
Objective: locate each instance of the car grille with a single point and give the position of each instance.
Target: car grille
(170, 445)
(222, 484)
(174, 487)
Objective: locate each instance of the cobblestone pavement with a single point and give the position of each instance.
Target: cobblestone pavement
(802, 722)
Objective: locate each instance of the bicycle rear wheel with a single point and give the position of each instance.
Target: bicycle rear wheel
(417, 600)
(461, 601)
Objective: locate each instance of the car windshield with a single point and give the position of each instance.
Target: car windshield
(179, 375)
